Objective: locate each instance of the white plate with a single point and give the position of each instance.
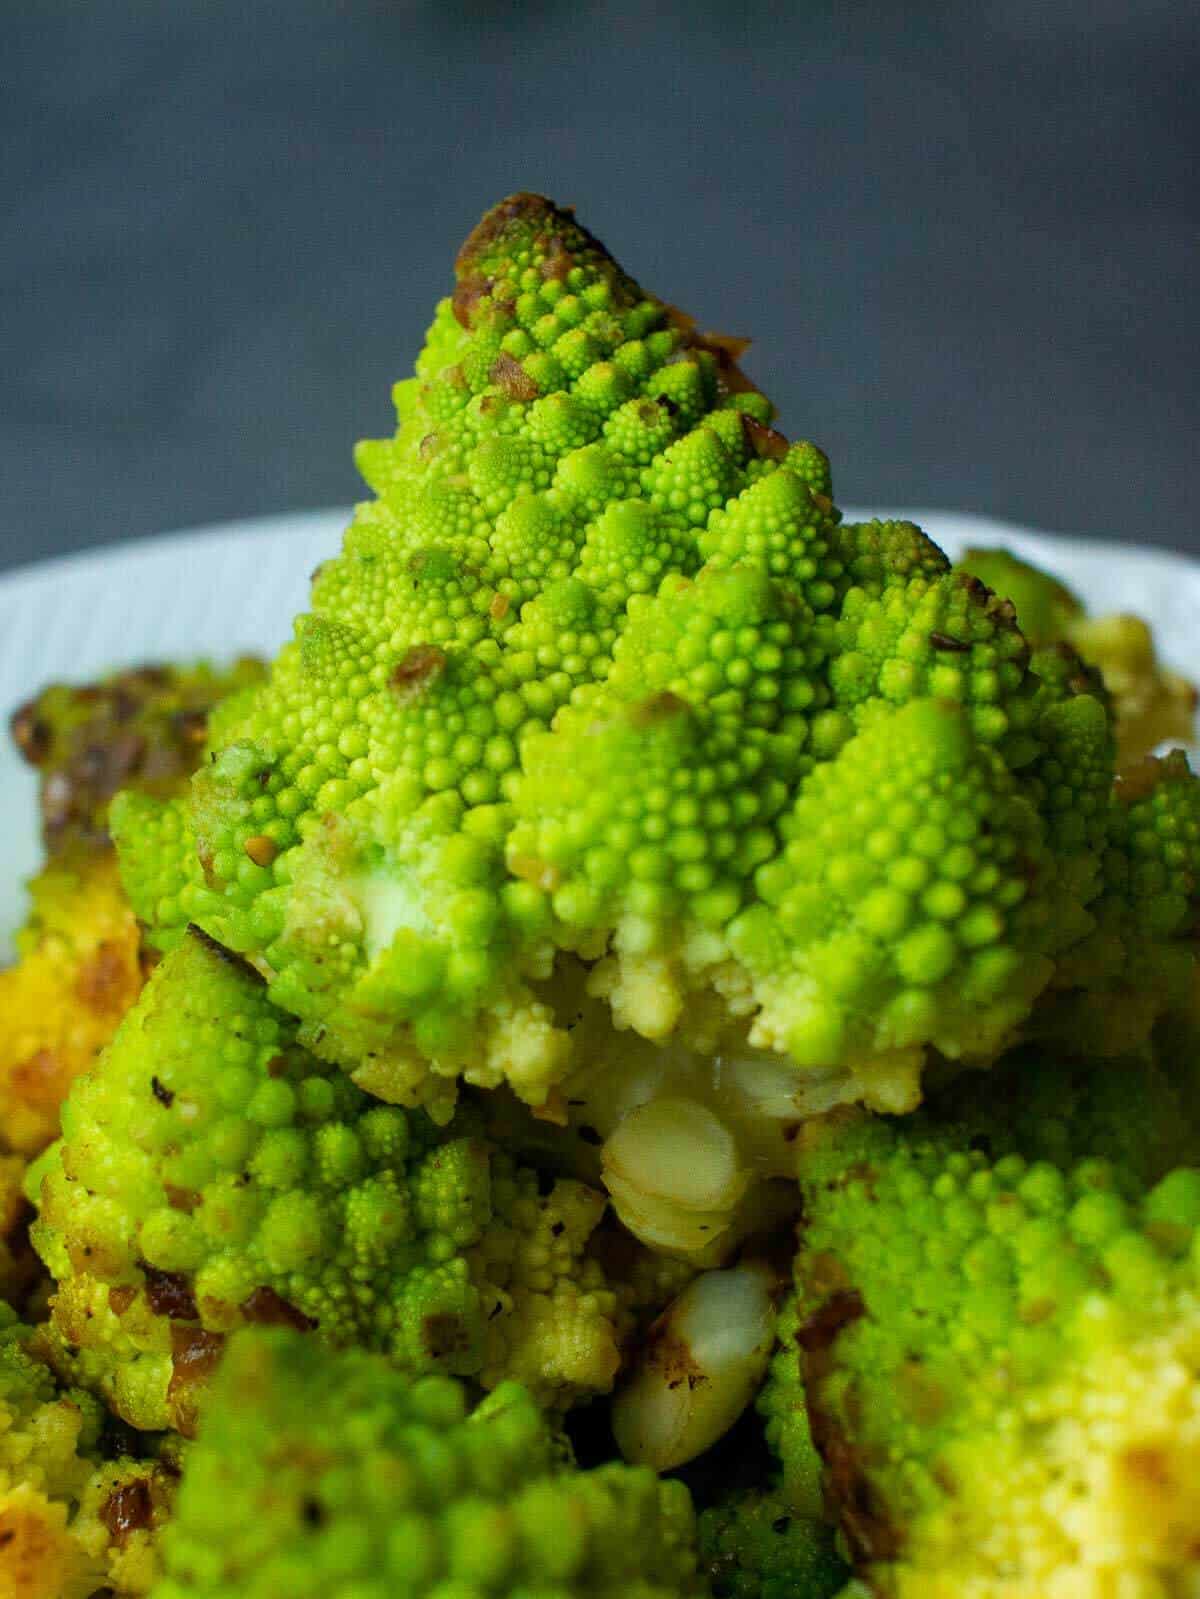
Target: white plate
(219, 591)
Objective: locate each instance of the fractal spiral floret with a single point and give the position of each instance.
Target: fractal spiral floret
(652, 1052)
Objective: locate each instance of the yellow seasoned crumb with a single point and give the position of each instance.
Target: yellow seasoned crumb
(79, 972)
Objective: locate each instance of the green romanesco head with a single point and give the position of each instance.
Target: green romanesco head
(72, 1522)
(999, 1361)
(1137, 962)
(212, 1173)
(336, 1476)
(142, 728)
(1152, 704)
(755, 1546)
(1137, 1111)
(585, 678)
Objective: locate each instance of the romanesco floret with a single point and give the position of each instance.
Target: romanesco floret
(212, 1173)
(331, 1476)
(63, 1534)
(79, 971)
(1138, 1111)
(601, 692)
(1152, 704)
(1137, 962)
(79, 966)
(755, 1546)
(142, 729)
(1001, 1362)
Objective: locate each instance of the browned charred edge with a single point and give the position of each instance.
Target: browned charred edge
(1139, 780)
(848, 1488)
(1081, 678)
(657, 708)
(444, 1334)
(121, 1297)
(129, 1508)
(169, 1293)
(194, 1356)
(517, 213)
(840, 1310)
(120, 733)
(944, 641)
(30, 733)
(267, 1309)
(512, 377)
(763, 440)
(229, 956)
(164, 1096)
(418, 667)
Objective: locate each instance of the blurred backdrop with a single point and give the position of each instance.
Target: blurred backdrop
(963, 237)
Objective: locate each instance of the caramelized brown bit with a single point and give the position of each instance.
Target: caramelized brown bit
(120, 1298)
(1037, 1310)
(944, 641)
(30, 733)
(128, 1508)
(672, 1356)
(500, 607)
(467, 294)
(1137, 781)
(184, 1199)
(191, 727)
(553, 1109)
(829, 1319)
(227, 955)
(103, 981)
(265, 1307)
(657, 708)
(163, 1095)
(518, 210)
(261, 849)
(422, 664)
(194, 1356)
(169, 1293)
(1148, 1466)
(42, 1080)
(443, 1334)
(512, 377)
(865, 1523)
(763, 440)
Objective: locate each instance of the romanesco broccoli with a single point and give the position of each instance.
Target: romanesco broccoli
(319, 1475)
(1153, 705)
(71, 1523)
(211, 1173)
(80, 956)
(600, 681)
(755, 1546)
(79, 971)
(141, 729)
(1001, 1361)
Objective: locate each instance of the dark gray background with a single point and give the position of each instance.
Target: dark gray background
(964, 237)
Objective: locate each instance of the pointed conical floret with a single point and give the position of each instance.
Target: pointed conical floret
(732, 641)
(600, 649)
(897, 913)
(948, 639)
(642, 827)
